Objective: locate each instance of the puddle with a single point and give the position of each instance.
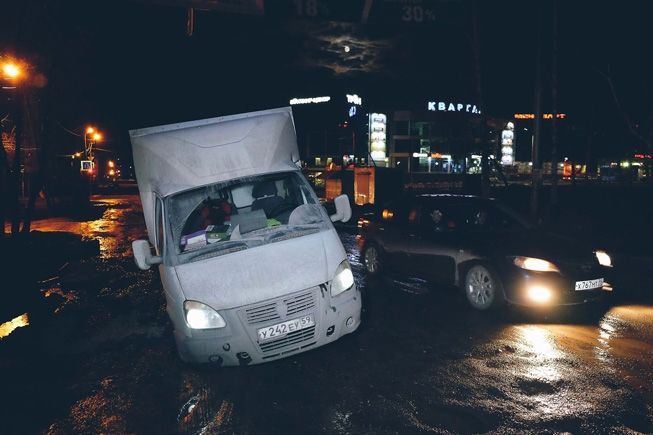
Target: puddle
(10, 326)
(114, 228)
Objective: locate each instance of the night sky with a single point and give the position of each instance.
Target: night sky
(127, 64)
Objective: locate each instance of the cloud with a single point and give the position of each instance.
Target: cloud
(324, 48)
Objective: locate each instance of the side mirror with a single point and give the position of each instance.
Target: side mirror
(143, 255)
(343, 209)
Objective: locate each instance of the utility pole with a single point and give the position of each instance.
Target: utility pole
(16, 169)
(535, 151)
(554, 104)
(485, 167)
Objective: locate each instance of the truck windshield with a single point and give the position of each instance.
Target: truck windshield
(241, 214)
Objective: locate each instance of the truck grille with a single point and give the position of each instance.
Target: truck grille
(278, 310)
(273, 311)
(299, 303)
(262, 313)
(296, 338)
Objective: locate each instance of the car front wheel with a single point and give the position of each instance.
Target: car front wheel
(372, 259)
(482, 288)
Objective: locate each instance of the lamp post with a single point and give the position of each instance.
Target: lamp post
(91, 136)
(88, 145)
(13, 71)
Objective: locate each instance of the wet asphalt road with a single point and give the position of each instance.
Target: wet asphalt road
(98, 356)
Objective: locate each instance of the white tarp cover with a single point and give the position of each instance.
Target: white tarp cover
(176, 157)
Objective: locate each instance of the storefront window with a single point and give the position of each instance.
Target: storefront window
(444, 164)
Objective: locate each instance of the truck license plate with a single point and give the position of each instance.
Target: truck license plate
(284, 328)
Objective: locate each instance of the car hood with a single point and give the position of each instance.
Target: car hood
(261, 273)
(531, 243)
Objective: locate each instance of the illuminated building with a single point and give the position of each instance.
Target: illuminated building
(439, 136)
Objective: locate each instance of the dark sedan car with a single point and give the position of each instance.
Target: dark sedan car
(484, 248)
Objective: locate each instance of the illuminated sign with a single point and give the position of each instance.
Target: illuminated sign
(352, 111)
(86, 166)
(309, 100)
(508, 144)
(354, 99)
(642, 156)
(377, 134)
(544, 116)
(442, 106)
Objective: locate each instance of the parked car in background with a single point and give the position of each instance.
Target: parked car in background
(251, 265)
(485, 249)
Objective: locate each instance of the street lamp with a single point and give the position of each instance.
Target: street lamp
(11, 70)
(91, 135)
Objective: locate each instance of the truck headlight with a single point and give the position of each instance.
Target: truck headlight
(201, 316)
(604, 258)
(535, 264)
(343, 280)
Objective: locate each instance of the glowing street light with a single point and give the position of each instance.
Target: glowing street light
(11, 70)
(91, 135)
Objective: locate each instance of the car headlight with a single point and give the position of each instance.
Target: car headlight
(201, 316)
(604, 258)
(343, 280)
(535, 264)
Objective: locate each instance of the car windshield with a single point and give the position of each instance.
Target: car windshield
(241, 214)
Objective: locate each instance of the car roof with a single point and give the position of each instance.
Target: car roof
(452, 197)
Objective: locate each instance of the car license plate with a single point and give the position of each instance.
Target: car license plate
(285, 328)
(589, 285)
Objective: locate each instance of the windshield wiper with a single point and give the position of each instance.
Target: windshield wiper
(222, 249)
(291, 234)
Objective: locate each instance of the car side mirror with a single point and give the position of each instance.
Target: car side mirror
(143, 255)
(343, 209)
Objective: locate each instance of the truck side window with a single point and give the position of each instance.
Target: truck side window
(159, 235)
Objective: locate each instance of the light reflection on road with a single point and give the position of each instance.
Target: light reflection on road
(113, 230)
(540, 343)
(15, 323)
(619, 348)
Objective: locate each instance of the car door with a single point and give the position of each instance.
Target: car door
(393, 235)
(434, 243)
